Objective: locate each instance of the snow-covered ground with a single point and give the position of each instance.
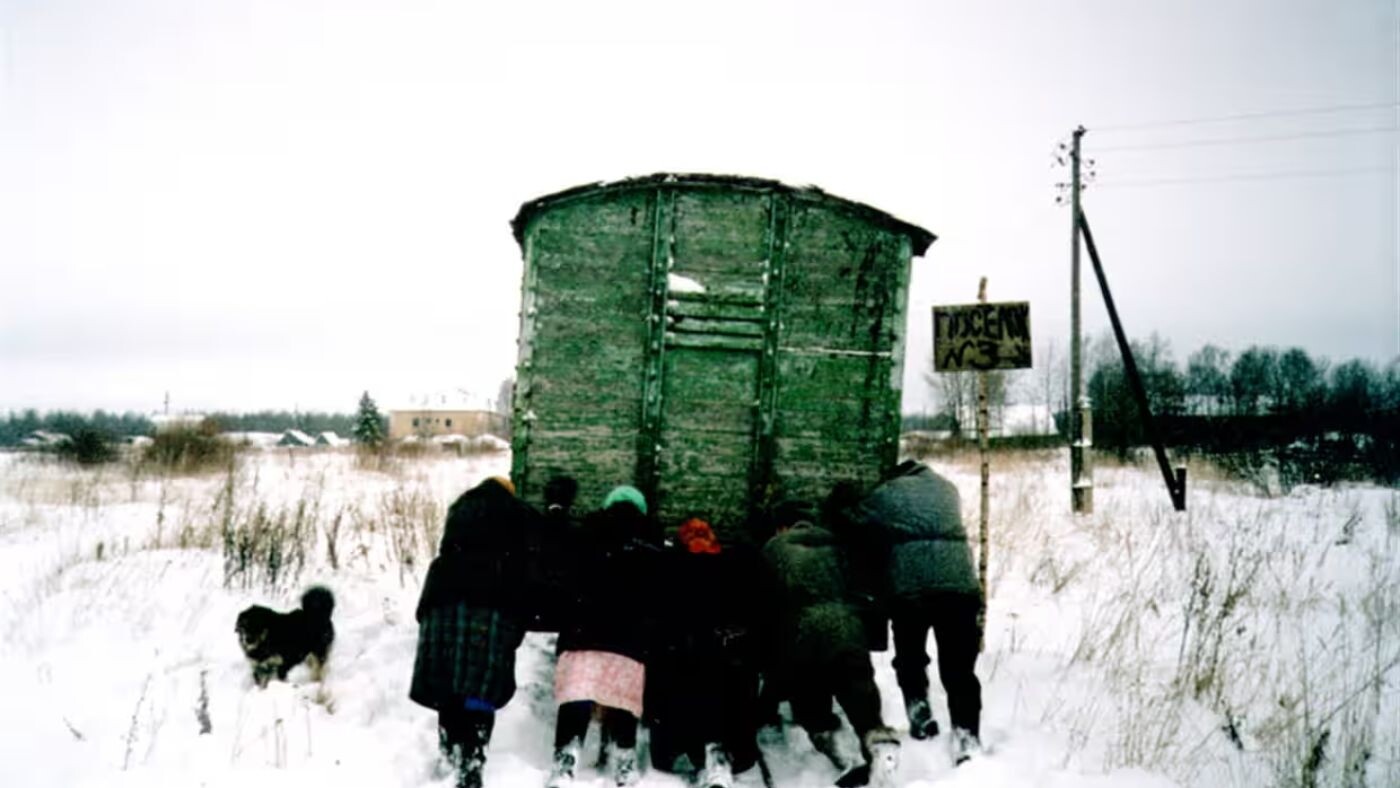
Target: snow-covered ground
(1249, 641)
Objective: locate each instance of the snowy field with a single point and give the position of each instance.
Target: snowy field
(1250, 641)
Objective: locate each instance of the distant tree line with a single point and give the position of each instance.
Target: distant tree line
(16, 426)
(1258, 382)
(1300, 410)
(1308, 411)
(310, 422)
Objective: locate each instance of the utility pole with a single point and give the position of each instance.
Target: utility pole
(982, 540)
(1081, 472)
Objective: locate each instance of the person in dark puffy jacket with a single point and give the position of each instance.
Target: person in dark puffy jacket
(702, 677)
(914, 520)
(550, 549)
(819, 647)
(470, 623)
(604, 635)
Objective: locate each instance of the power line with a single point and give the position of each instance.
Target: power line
(1250, 116)
(1242, 140)
(1263, 176)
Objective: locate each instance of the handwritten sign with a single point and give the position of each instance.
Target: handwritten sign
(982, 336)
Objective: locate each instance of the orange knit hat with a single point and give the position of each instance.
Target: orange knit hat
(698, 537)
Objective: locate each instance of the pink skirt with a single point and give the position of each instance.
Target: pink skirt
(602, 677)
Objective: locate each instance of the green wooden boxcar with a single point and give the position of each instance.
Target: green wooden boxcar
(719, 342)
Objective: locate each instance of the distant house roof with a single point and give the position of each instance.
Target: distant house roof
(296, 438)
(259, 439)
(486, 442)
(456, 400)
(44, 439)
(490, 442)
(330, 439)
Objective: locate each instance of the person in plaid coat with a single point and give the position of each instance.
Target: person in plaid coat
(470, 622)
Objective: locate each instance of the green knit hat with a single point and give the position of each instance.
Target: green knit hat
(629, 494)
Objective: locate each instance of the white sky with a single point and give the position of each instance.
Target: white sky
(276, 204)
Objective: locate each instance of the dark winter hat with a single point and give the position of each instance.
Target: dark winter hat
(837, 507)
(561, 491)
(903, 469)
(791, 511)
(843, 495)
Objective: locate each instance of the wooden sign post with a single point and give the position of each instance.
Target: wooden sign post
(982, 337)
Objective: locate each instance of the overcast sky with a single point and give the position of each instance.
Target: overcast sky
(281, 204)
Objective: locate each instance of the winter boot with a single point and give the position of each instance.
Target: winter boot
(922, 725)
(965, 745)
(623, 763)
(855, 777)
(565, 762)
(460, 762)
(826, 744)
(451, 756)
(605, 747)
(469, 770)
(882, 753)
(471, 759)
(717, 771)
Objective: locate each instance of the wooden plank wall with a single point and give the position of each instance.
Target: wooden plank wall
(718, 239)
(843, 312)
(583, 334)
(809, 382)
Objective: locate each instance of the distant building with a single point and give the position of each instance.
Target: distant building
(330, 439)
(164, 422)
(43, 439)
(428, 422)
(296, 438)
(1021, 419)
(444, 414)
(254, 439)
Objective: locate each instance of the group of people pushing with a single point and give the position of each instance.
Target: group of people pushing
(700, 638)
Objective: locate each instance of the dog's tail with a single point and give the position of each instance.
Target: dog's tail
(318, 602)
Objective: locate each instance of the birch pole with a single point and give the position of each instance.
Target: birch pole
(986, 480)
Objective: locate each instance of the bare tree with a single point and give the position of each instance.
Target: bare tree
(505, 404)
(1051, 382)
(1208, 380)
(1254, 379)
(955, 395)
(1301, 381)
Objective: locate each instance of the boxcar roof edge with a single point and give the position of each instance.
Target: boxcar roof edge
(919, 238)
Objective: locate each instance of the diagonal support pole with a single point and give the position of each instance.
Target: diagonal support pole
(1176, 482)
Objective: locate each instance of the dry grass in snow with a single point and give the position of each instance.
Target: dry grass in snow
(1249, 641)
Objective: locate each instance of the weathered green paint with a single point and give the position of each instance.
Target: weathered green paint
(779, 379)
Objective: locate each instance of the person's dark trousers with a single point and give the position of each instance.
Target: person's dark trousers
(463, 735)
(848, 678)
(470, 728)
(953, 619)
(619, 727)
(711, 703)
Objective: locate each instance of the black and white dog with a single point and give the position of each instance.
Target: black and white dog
(277, 642)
